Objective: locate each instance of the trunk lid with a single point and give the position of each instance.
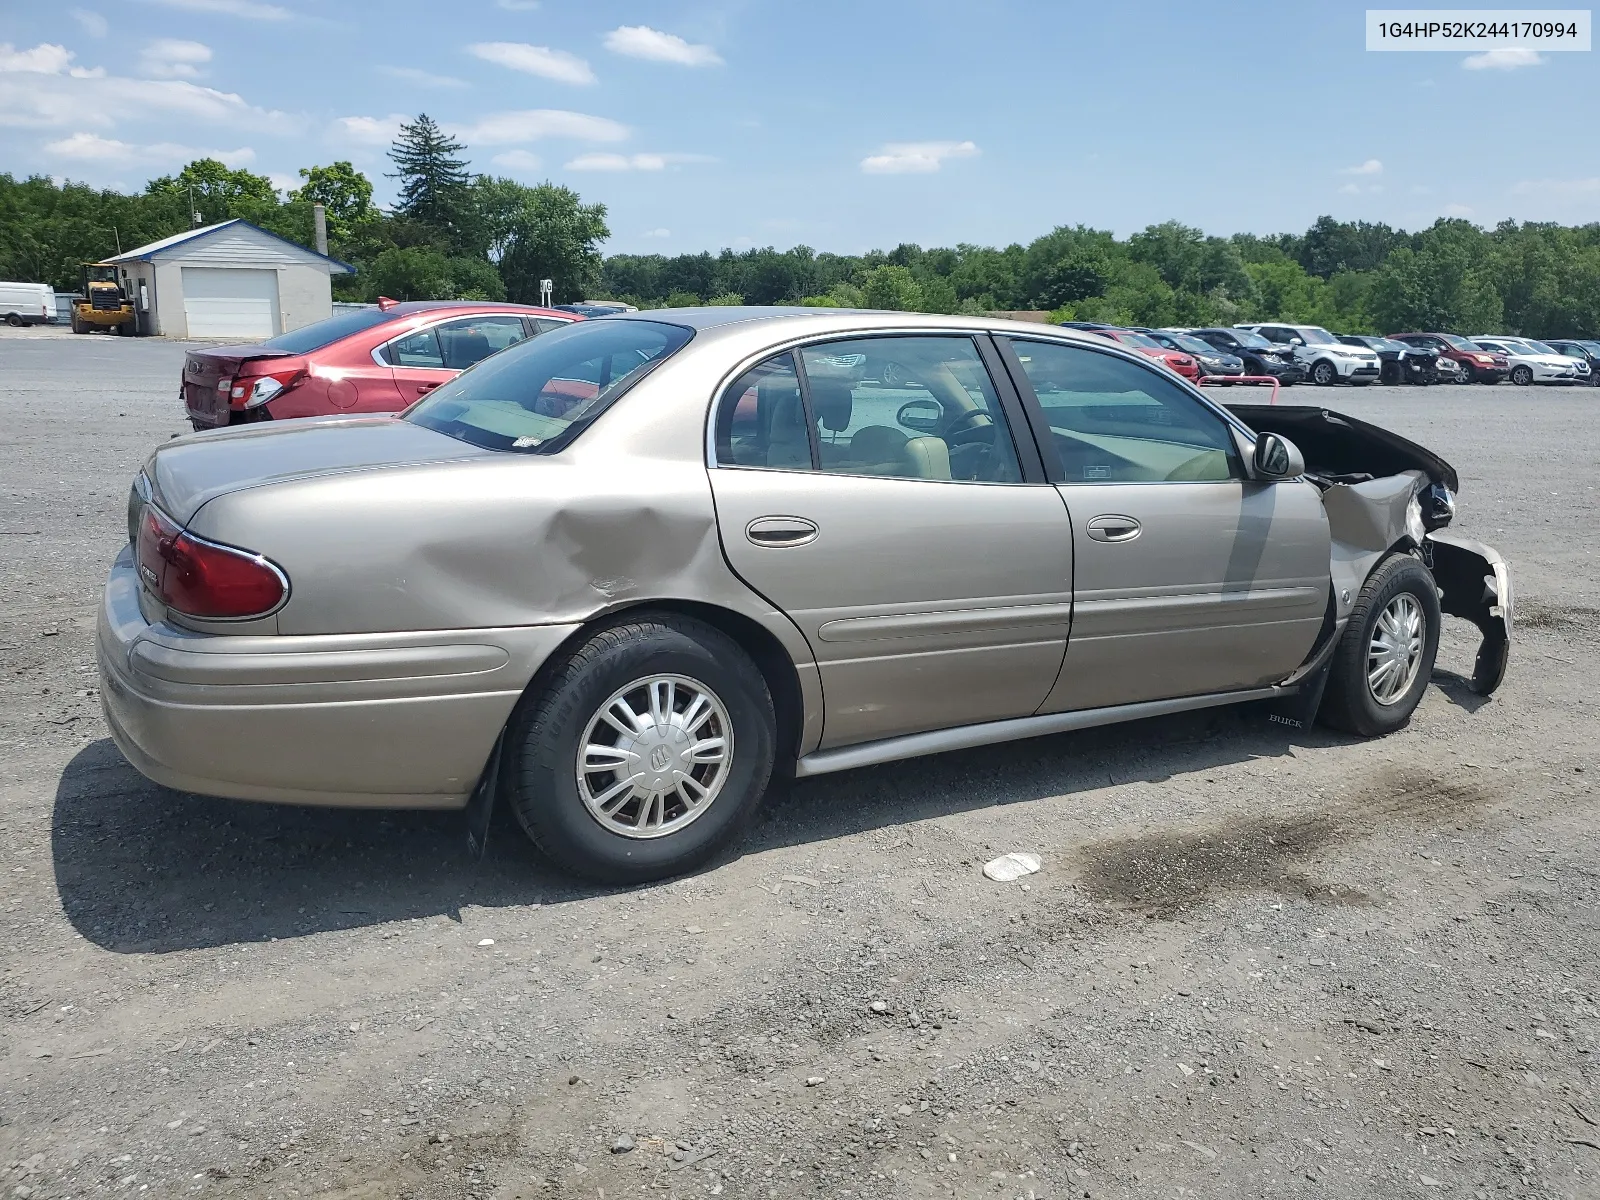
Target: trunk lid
(188, 471)
(204, 369)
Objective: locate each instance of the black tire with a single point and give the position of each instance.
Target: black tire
(14, 320)
(78, 326)
(1522, 376)
(1391, 373)
(1349, 703)
(1324, 373)
(543, 744)
(1469, 373)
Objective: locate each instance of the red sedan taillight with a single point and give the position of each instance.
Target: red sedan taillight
(204, 579)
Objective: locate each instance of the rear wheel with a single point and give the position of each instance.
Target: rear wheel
(648, 751)
(1385, 655)
(1522, 376)
(14, 320)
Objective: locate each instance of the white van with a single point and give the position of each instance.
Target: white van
(27, 303)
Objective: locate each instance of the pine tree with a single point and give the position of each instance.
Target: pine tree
(434, 184)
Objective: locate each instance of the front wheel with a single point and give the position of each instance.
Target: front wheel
(1522, 376)
(1469, 374)
(1391, 374)
(647, 752)
(1385, 655)
(1324, 374)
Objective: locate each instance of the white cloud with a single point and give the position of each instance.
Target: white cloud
(370, 131)
(632, 162)
(91, 23)
(422, 78)
(46, 58)
(1457, 210)
(1349, 189)
(534, 124)
(640, 41)
(1503, 60)
(284, 183)
(251, 10)
(915, 158)
(92, 148)
(657, 233)
(174, 58)
(39, 88)
(1371, 167)
(535, 60)
(517, 160)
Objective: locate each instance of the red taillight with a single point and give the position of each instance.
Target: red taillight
(203, 579)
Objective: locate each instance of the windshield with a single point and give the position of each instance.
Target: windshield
(1138, 339)
(1591, 347)
(529, 395)
(1460, 343)
(1316, 335)
(1192, 344)
(1250, 340)
(324, 333)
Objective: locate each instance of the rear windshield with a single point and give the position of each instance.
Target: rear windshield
(535, 395)
(324, 333)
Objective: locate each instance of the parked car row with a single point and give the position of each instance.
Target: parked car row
(1293, 353)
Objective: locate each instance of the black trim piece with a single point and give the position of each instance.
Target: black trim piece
(1044, 439)
(813, 434)
(1014, 411)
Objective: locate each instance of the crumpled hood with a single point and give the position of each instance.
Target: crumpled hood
(1334, 443)
(190, 470)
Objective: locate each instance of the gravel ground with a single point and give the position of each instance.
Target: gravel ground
(1256, 962)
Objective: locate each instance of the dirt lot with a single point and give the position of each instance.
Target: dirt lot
(1255, 963)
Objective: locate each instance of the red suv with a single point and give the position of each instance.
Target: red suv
(378, 359)
(1183, 364)
(1477, 364)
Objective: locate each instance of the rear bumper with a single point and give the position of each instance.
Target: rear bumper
(403, 720)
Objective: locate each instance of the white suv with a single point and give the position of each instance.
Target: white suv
(1534, 362)
(1326, 359)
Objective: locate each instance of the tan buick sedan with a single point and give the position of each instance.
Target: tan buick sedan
(622, 574)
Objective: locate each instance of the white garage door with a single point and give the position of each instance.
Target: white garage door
(230, 302)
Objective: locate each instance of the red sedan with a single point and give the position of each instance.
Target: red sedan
(1183, 364)
(378, 359)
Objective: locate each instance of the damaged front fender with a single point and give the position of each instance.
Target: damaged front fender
(1476, 584)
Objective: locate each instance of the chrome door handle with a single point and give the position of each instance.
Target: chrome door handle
(781, 531)
(1114, 528)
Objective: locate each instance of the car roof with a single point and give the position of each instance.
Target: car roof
(822, 320)
(407, 307)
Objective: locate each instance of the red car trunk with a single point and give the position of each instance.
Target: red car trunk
(209, 375)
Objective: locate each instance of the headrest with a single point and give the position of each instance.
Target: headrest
(877, 444)
(833, 400)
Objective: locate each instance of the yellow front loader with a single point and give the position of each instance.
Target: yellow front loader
(105, 304)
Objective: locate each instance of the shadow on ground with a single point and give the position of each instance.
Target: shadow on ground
(143, 869)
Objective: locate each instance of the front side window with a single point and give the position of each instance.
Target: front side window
(1115, 421)
(543, 389)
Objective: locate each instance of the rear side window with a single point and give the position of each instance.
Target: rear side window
(419, 349)
(537, 395)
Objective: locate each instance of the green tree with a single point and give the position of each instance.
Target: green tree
(435, 188)
(346, 195)
(549, 233)
(891, 287)
(219, 192)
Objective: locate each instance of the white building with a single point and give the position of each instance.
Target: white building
(231, 280)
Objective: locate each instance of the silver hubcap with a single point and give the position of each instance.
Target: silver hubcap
(1395, 653)
(655, 756)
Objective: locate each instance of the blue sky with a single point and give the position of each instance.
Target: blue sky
(842, 125)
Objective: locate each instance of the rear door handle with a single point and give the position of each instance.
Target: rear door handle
(781, 531)
(1114, 528)
(424, 388)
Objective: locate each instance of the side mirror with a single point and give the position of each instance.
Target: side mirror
(925, 416)
(1277, 457)
(1294, 341)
